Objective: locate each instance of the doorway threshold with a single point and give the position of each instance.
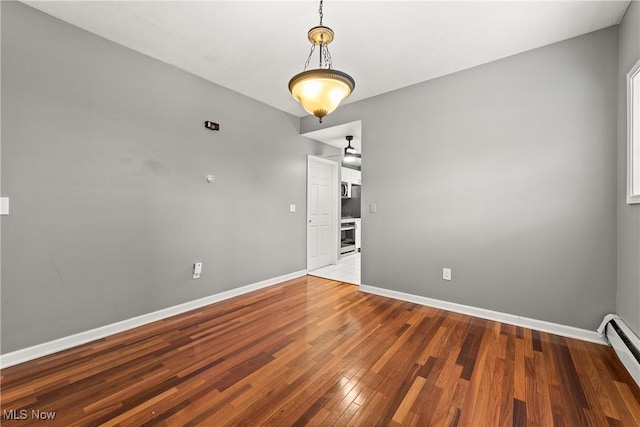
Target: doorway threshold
(346, 270)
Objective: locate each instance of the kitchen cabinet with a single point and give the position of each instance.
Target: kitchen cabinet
(356, 177)
(346, 175)
(351, 176)
(358, 234)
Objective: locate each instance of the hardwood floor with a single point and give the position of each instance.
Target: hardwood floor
(317, 352)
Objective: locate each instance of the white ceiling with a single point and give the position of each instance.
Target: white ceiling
(336, 135)
(255, 47)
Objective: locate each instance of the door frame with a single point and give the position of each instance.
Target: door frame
(335, 214)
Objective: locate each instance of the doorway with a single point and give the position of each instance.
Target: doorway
(347, 264)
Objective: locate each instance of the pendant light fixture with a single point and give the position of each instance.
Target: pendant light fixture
(320, 90)
(351, 155)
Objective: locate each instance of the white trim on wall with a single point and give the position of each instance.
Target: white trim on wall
(538, 325)
(633, 134)
(44, 349)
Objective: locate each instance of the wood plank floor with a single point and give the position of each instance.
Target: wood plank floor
(313, 351)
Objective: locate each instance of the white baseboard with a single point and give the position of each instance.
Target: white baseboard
(538, 325)
(44, 349)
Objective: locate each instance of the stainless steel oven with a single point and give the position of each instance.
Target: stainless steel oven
(347, 236)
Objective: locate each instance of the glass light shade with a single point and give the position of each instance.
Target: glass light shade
(320, 91)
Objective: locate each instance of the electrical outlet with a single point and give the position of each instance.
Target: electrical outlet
(197, 270)
(292, 208)
(373, 208)
(446, 274)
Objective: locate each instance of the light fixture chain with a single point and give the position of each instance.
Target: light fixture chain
(306, 64)
(320, 12)
(327, 57)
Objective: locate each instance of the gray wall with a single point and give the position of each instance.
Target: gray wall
(104, 157)
(505, 173)
(628, 215)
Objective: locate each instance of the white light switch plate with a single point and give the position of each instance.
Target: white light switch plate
(373, 208)
(4, 206)
(197, 270)
(292, 208)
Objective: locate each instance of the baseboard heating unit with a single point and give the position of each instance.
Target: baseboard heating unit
(625, 343)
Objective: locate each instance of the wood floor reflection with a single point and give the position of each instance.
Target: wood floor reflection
(312, 351)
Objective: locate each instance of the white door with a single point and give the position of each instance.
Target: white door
(322, 195)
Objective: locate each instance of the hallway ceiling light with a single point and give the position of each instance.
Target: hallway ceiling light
(320, 90)
(351, 155)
